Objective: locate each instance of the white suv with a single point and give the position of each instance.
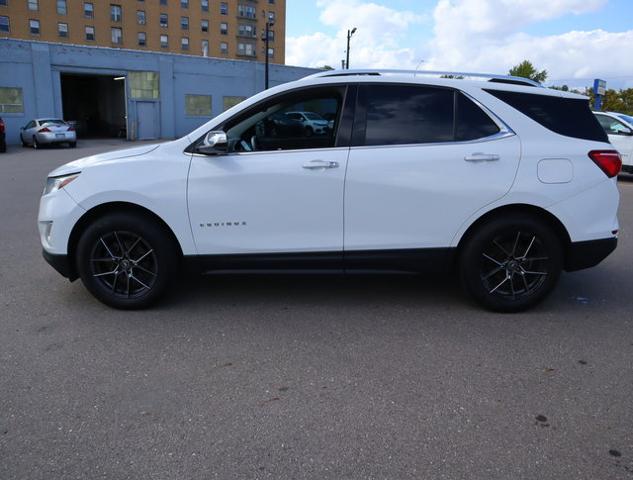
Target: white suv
(505, 181)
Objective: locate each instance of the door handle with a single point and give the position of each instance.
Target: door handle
(482, 157)
(319, 164)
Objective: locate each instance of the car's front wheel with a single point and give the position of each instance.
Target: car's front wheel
(126, 260)
(511, 263)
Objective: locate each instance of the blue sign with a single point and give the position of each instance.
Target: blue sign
(599, 89)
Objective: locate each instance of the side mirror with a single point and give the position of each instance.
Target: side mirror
(214, 143)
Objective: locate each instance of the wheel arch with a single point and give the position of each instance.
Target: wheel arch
(539, 212)
(102, 209)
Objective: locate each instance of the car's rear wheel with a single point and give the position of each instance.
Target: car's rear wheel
(126, 260)
(72, 144)
(511, 263)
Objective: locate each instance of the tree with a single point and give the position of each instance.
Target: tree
(326, 67)
(525, 69)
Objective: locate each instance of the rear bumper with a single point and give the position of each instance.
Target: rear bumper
(627, 168)
(589, 254)
(49, 138)
(61, 263)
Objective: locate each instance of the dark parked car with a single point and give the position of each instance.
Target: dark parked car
(3, 139)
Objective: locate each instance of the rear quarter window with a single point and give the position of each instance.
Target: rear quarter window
(566, 116)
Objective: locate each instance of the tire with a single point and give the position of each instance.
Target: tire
(126, 260)
(309, 131)
(511, 263)
(72, 144)
(3, 147)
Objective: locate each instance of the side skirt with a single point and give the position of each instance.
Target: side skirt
(409, 260)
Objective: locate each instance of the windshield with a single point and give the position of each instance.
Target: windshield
(313, 116)
(626, 118)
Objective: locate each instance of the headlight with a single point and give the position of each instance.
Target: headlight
(55, 183)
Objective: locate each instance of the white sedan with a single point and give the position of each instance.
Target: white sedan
(48, 131)
(619, 129)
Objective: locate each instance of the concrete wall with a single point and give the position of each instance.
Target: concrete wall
(36, 68)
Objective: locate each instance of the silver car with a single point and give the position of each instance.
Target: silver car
(47, 131)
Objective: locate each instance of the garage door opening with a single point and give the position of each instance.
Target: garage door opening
(96, 103)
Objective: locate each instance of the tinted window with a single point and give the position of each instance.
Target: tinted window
(294, 121)
(403, 114)
(565, 116)
(472, 122)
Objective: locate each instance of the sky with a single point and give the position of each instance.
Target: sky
(574, 40)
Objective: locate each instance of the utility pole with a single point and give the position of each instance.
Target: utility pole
(350, 33)
(269, 25)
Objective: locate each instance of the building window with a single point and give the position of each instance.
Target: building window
(142, 39)
(271, 2)
(205, 48)
(61, 7)
(4, 3)
(184, 3)
(140, 17)
(4, 24)
(116, 13)
(11, 100)
(247, 30)
(163, 20)
(117, 36)
(204, 25)
(184, 23)
(34, 27)
(163, 2)
(89, 10)
(90, 33)
(246, 11)
(198, 105)
(224, 28)
(164, 41)
(184, 43)
(62, 29)
(228, 102)
(224, 8)
(144, 85)
(246, 49)
(33, 5)
(204, 4)
(224, 48)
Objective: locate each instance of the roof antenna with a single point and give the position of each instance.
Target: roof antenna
(418, 67)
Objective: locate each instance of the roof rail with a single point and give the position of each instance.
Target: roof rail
(490, 77)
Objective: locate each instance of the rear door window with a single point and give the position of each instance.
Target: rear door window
(566, 116)
(411, 114)
(405, 114)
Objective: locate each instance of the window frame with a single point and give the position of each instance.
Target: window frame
(8, 30)
(89, 13)
(342, 136)
(59, 30)
(360, 119)
(119, 40)
(114, 7)
(65, 7)
(39, 26)
(94, 33)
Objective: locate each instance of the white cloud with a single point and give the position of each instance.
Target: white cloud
(376, 43)
(468, 35)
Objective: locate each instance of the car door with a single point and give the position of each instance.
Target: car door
(620, 136)
(276, 190)
(423, 160)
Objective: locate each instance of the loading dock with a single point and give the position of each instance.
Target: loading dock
(96, 103)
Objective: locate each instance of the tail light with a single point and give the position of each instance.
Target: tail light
(1, 126)
(71, 129)
(43, 130)
(609, 161)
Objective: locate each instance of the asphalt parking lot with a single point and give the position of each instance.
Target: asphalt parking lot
(318, 377)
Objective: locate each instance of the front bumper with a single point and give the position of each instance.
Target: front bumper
(62, 264)
(588, 254)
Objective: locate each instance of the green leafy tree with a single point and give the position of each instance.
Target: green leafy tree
(326, 67)
(525, 69)
(620, 101)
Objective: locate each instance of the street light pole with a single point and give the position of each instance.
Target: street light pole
(350, 33)
(269, 25)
